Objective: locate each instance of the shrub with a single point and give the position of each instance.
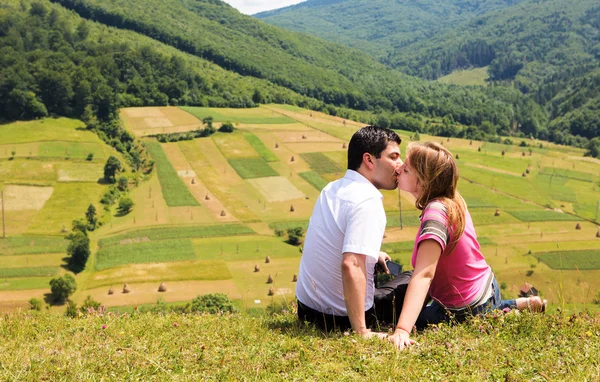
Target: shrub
(213, 303)
(123, 183)
(71, 309)
(227, 127)
(125, 204)
(62, 287)
(35, 304)
(90, 157)
(295, 235)
(89, 303)
(79, 250)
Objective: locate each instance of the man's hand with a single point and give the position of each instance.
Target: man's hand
(383, 257)
(401, 339)
(368, 333)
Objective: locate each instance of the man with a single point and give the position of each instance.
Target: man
(335, 287)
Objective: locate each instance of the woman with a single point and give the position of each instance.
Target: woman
(447, 261)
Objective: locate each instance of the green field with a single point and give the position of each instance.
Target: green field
(320, 163)
(160, 251)
(314, 179)
(28, 272)
(260, 147)
(542, 215)
(247, 116)
(174, 190)
(571, 260)
(472, 77)
(250, 168)
(71, 150)
(44, 130)
(18, 245)
(164, 233)
(243, 248)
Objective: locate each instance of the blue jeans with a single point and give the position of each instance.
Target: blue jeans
(436, 313)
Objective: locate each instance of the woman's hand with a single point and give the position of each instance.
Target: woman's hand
(383, 257)
(401, 339)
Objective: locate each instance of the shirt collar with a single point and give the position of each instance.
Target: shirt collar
(355, 176)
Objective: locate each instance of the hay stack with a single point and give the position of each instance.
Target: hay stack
(256, 268)
(598, 233)
(162, 287)
(344, 145)
(578, 226)
(292, 159)
(523, 175)
(303, 136)
(497, 213)
(110, 290)
(527, 171)
(193, 180)
(270, 280)
(295, 278)
(470, 143)
(126, 288)
(503, 153)
(271, 291)
(523, 153)
(223, 213)
(267, 259)
(207, 197)
(276, 145)
(457, 156)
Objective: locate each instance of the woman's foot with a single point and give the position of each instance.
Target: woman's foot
(534, 304)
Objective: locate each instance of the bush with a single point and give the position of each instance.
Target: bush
(62, 288)
(279, 232)
(213, 303)
(125, 204)
(123, 183)
(295, 235)
(227, 127)
(79, 250)
(35, 304)
(71, 309)
(89, 303)
(90, 157)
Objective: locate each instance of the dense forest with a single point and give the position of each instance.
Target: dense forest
(93, 57)
(548, 50)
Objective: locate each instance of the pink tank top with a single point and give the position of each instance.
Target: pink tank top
(460, 278)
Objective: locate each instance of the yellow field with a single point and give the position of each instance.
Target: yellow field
(20, 198)
(234, 145)
(144, 121)
(276, 189)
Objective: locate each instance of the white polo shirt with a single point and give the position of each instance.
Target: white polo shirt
(348, 217)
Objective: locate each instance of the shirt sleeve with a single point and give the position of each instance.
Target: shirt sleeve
(365, 228)
(434, 225)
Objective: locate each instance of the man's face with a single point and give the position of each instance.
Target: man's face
(384, 170)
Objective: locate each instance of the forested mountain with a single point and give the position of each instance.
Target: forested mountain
(549, 50)
(379, 27)
(48, 55)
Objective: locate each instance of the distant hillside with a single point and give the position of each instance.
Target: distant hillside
(548, 50)
(378, 27)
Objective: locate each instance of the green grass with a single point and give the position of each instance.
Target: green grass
(28, 171)
(72, 150)
(173, 346)
(314, 179)
(146, 252)
(243, 248)
(408, 219)
(570, 260)
(571, 174)
(250, 168)
(187, 232)
(48, 129)
(473, 77)
(19, 245)
(174, 191)
(260, 147)
(485, 241)
(285, 225)
(246, 116)
(542, 215)
(29, 272)
(402, 246)
(25, 283)
(320, 163)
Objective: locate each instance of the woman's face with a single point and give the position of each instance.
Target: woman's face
(407, 179)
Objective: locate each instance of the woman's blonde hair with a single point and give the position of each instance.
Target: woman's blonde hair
(437, 173)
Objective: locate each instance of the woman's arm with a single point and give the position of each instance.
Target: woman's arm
(428, 254)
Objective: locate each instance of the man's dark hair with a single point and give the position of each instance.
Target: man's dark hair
(369, 139)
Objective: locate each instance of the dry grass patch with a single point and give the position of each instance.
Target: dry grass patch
(276, 188)
(234, 145)
(48, 129)
(475, 165)
(17, 222)
(310, 136)
(19, 198)
(144, 121)
(21, 150)
(291, 127)
(27, 171)
(26, 261)
(79, 172)
(309, 147)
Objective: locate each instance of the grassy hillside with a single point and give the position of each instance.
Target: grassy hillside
(229, 347)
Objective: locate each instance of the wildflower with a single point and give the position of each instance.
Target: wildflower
(175, 324)
(103, 326)
(506, 310)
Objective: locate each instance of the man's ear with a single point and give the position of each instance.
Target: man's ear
(368, 160)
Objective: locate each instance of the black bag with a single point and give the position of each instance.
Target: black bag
(389, 298)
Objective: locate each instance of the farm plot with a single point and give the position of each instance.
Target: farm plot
(21, 150)
(69, 201)
(28, 171)
(145, 252)
(234, 145)
(205, 159)
(79, 172)
(276, 189)
(72, 150)
(20, 198)
(244, 248)
(571, 260)
(186, 232)
(321, 163)
(174, 190)
(260, 147)
(250, 168)
(49, 129)
(18, 245)
(259, 115)
(29, 272)
(542, 216)
(159, 272)
(33, 260)
(143, 121)
(314, 179)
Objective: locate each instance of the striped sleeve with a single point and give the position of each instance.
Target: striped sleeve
(434, 225)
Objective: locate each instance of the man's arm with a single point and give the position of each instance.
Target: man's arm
(354, 280)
